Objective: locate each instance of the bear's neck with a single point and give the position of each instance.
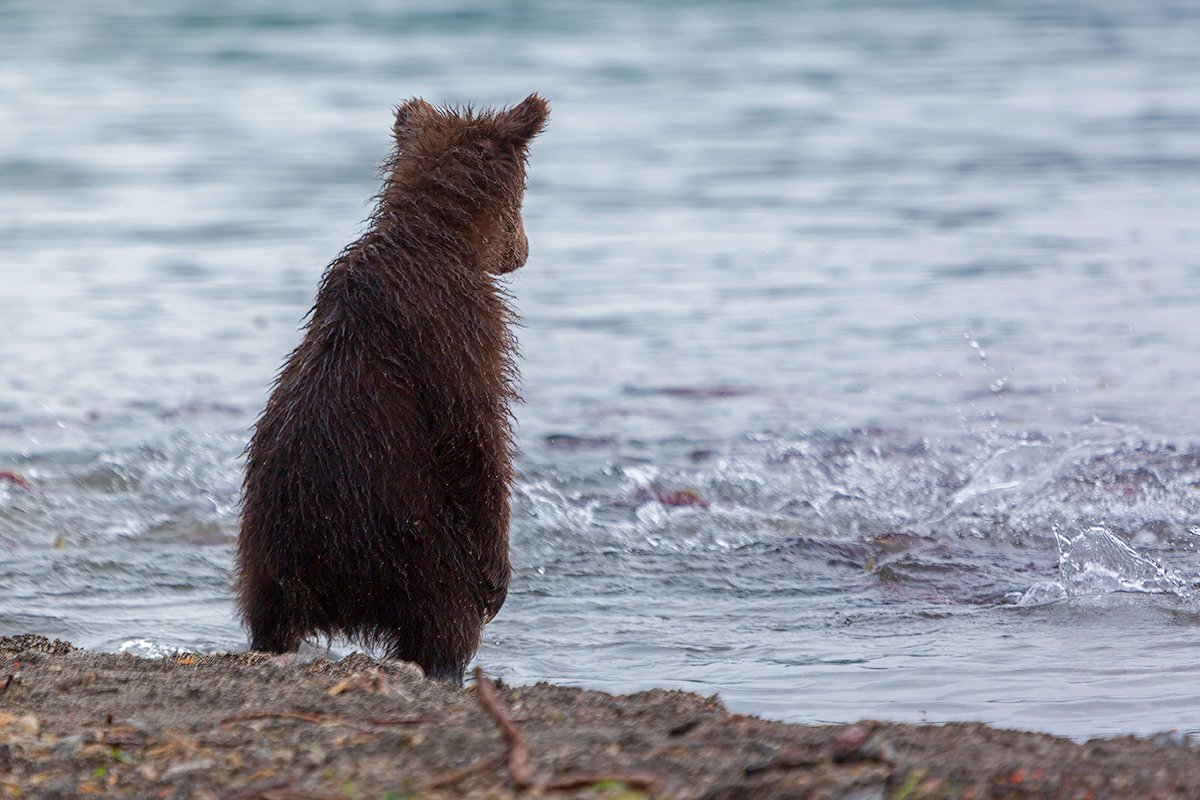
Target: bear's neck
(428, 234)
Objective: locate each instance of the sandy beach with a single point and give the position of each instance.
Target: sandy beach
(75, 723)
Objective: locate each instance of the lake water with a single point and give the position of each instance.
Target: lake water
(860, 341)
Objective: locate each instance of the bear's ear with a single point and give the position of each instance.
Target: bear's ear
(519, 124)
(409, 116)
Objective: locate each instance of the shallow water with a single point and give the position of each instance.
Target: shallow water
(859, 345)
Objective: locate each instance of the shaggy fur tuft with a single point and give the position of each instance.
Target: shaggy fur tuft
(377, 479)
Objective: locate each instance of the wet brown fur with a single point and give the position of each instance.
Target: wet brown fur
(376, 488)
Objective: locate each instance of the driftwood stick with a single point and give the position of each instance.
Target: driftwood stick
(518, 751)
(518, 754)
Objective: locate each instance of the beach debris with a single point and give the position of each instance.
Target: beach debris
(578, 780)
(1022, 775)
(303, 716)
(789, 759)
(25, 725)
(186, 767)
(859, 743)
(316, 718)
(373, 681)
(685, 727)
(519, 769)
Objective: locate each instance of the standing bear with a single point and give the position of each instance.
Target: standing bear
(377, 479)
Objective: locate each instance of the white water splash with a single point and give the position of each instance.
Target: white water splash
(145, 648)
(1096, 562)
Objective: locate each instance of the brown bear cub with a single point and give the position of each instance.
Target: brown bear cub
(377, 479)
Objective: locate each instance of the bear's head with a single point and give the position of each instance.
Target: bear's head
(466, 171)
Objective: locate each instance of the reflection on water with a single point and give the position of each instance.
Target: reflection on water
(856, 349)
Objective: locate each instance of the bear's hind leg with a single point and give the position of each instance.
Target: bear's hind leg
(437, 662)
(273, 628)
(452, 674)
(275, 639)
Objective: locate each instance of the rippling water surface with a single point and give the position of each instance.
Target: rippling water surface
(860, 345)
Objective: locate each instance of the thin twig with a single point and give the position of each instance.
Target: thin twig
(385, 721)
(575, 780)
(115, 742)
(518, 752)
(318, 718)
(451, 778)
(300, 715)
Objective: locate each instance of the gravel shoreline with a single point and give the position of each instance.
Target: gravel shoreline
(75, 723)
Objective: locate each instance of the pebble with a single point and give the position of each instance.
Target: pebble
(183, 768)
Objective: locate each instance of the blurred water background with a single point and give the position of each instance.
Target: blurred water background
(860, 345)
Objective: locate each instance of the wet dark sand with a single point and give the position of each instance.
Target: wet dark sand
(77, 724)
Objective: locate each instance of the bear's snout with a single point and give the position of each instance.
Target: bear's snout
(519, 253)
